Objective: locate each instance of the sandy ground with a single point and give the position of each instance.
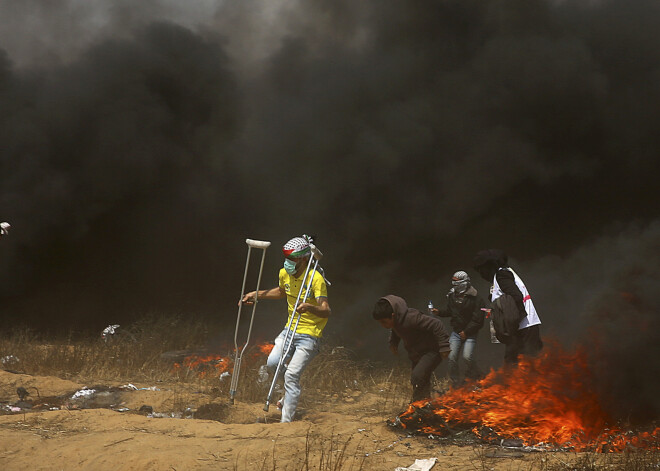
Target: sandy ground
(351, 429)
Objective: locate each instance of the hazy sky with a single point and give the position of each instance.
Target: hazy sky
(142, 142)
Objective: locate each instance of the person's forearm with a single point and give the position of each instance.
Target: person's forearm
(470, 330)
(508, 286)
(442, 313)
(322, 310)
(394, 339)
(475, 323)
(273, 293)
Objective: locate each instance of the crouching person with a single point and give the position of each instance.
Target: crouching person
(424, 338)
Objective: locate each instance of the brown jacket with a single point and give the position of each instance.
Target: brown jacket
(420, 333)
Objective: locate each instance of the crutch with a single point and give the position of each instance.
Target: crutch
(317, 255)
(256, 244)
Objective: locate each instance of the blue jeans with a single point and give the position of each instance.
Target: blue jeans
(455, 344)
(303, 349)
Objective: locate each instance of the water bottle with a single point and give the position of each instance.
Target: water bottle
(430, 306)
(493, 336)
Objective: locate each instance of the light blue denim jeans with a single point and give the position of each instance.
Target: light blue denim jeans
(303, 349)
(455, 344)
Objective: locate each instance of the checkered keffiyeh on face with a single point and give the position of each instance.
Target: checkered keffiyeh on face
(460, 281)
(296, 247)
(460, 276)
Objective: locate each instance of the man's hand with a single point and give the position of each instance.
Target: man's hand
(273, 293)
(248, 298)
(435, 311)
(394, 349)
(444, 355)
(306, 307)
(463, 336)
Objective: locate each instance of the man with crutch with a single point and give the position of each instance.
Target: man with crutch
(307, 301)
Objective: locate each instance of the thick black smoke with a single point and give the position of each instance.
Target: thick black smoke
(113, 171)
(603, 296)
(142, 142)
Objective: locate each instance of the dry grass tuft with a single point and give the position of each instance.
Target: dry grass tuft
(134, 356)
(628, 461)
(137, 356)
(321, 453)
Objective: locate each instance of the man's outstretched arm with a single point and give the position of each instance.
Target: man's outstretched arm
(273, 293)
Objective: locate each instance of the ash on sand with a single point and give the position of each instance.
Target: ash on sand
(465, 434)
(212, 411)
(98, 397)
(113, 398)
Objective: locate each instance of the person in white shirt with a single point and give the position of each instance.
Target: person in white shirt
(492, 265)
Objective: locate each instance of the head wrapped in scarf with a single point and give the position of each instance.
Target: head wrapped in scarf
(297, 247)
(460, 282)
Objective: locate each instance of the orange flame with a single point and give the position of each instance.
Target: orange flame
(546, 400)
(266, 348)
(214, 365)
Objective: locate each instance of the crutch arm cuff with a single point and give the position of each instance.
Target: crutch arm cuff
(258, 244)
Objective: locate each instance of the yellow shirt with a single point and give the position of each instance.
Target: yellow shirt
(309, 323)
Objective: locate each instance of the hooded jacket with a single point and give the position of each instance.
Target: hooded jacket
(420, 333)
(488, 261)
(467, 316)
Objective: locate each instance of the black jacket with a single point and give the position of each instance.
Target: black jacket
(466, 316)
(507, 283)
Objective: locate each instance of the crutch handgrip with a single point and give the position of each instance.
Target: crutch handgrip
(258, 244)
(318, 255)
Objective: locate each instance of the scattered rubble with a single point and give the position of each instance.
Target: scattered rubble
(9, 360)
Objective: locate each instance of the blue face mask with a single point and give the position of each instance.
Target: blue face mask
(289, 266)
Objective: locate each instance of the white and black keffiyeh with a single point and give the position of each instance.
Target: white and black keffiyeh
(296, 247)
(460, 282)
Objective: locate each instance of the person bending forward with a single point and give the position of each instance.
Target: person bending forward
(424, 338)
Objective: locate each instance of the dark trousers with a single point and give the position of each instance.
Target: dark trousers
(420, 378)
(526, 342)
